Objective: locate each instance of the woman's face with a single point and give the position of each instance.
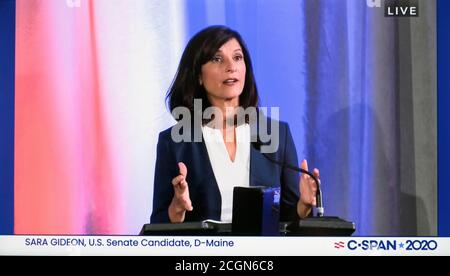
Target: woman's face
(224, 75)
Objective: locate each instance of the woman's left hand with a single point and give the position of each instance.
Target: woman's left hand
(308, 189)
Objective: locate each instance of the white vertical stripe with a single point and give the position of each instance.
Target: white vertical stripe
(139, 45)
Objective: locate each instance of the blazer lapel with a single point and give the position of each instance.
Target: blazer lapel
(203, 158)
(262, 170)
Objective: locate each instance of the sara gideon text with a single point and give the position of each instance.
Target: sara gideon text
(128, 242)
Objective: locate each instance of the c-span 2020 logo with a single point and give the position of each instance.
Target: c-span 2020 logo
(388, 245)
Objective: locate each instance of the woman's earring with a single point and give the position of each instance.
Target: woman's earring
(200, 82)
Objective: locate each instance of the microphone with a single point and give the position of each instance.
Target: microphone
(319, 204)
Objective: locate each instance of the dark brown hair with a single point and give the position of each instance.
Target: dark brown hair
(199, 50)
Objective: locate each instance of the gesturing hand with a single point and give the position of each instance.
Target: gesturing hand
(181, 201)
(308, 190)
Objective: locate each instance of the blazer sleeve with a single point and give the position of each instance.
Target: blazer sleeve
(164, 173)
(289, 180)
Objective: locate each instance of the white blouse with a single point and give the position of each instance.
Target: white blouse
(228, 173)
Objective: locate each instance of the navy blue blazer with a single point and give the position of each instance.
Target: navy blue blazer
(203, 189)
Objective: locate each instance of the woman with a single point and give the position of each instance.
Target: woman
(194, 180)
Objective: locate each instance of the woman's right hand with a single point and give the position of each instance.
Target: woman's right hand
(181, 202)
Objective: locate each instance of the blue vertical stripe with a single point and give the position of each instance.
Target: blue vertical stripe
(7, 47)
(195, 17)
(443, 25)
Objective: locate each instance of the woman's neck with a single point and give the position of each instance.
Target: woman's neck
(227, 109)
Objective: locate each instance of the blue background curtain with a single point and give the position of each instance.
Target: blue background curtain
(359, 93)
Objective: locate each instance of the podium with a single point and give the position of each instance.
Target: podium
(314, 226)
(200, 228)
(256, 212)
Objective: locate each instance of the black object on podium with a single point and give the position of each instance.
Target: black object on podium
(319, 226)
(256, 211)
